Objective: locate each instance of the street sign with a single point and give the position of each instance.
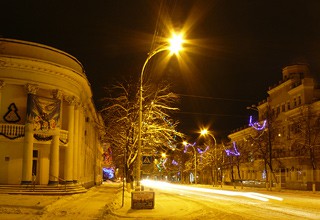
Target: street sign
(147, 159)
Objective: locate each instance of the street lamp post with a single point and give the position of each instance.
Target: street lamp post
(195, 160)
(205, 132)
(174, 46)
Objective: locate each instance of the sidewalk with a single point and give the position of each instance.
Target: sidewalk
(121, 206)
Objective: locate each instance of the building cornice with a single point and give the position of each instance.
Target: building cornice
(45, 73)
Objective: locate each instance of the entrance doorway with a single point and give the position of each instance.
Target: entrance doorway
(35, 165)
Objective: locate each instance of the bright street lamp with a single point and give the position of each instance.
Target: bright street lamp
(174, 45)
(205, 132)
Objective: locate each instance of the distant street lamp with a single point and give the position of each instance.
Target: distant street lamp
(205, 132)
(174, 45)
(195, 160)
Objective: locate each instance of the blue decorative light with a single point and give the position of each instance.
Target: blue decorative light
(108, 173)
(198, 149)
(202, 151)
(174, 162)
(256, 125)
(234, 151)
(188, 145)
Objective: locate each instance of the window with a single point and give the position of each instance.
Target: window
(35, 153)
(283, 108)
(294, 102)
(299, 100)
(288, 105)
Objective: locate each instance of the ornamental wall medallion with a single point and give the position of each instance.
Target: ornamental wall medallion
(12, 115)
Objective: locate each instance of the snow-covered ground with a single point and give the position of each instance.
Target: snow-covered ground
(89, 205)
(105, 202)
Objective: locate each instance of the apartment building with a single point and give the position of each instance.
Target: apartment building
(282, 144)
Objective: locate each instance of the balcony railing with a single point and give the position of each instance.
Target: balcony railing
(14, 131)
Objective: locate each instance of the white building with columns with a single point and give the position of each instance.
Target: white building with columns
(50, 130)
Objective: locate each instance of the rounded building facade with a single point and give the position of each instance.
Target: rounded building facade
(49, 127)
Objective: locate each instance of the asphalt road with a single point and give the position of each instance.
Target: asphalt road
(236, 203)
(213, 206)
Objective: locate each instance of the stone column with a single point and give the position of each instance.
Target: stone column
(28, 144)
(54, 159)
(68, 162)
(76, 144)
(54, 149)
(81, 144)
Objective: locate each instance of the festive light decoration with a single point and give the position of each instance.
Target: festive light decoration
(256, 125)
(161, 164)
(202, 151)
(159, 167)
(234, 151)
(188, 145)
(107, 156)
(198, 149)
(174, 162)
(108, 173)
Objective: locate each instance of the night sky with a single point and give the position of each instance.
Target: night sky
(236, 48)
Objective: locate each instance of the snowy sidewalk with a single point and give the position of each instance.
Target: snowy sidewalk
(164, 208)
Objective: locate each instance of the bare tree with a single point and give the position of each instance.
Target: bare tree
(120, 115)
(305, 130)
(120, 112)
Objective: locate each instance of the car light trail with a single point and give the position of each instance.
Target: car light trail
(169, 186)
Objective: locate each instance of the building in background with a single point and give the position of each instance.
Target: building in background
(50, 130)
(282, 144)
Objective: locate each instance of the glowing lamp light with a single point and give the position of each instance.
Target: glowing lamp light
(176, 43)
(204, 132)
